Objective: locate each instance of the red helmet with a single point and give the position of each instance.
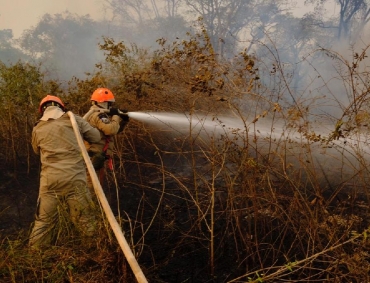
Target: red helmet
(50, 98)
(102, 95)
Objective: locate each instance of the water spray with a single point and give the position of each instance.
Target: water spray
(333, 162)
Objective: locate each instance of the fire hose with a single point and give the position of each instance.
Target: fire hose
(87, 115)
(107, 209)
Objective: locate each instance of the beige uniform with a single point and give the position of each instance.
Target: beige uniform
(63, 175)
(108, 127)
(102, 150)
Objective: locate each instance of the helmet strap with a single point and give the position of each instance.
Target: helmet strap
(103, 104)
(51, 103)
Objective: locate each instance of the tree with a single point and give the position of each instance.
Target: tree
(129, 11)
(352, 17)
(172, 7)
(22, 85)
(148, 21)
(66, 43)
(224, 20)
(8, 52)
(137, 12)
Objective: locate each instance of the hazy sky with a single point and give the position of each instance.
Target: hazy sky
(19, 15)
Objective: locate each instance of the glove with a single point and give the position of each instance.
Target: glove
(98, 160)
(124, 116)
(113, 111)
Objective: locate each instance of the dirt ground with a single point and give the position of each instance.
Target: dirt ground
(18, 199)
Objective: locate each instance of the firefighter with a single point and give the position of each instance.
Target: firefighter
(109, 124)
(63, 171)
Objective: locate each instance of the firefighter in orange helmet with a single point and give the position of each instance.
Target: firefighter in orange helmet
(63, 174)
(109, 123)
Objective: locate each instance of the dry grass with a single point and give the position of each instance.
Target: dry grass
(269, 198)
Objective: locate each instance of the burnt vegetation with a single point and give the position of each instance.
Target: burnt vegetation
(269, 197)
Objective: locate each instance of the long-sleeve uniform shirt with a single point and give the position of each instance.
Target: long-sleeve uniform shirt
(108, 127)
(59, 151)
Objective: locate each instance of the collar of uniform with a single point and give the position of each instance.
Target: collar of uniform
(52, 112)
(103, 105)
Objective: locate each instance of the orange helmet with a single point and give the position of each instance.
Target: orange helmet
(50, 98)
(102, 95)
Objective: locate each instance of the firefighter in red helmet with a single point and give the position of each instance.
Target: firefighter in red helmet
(63, 174)
(109, 123)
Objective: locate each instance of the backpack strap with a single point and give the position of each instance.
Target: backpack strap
(107, 140)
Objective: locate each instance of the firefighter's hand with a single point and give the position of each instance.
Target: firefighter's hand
(98, 160)
(124, 115)
(113, 111)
